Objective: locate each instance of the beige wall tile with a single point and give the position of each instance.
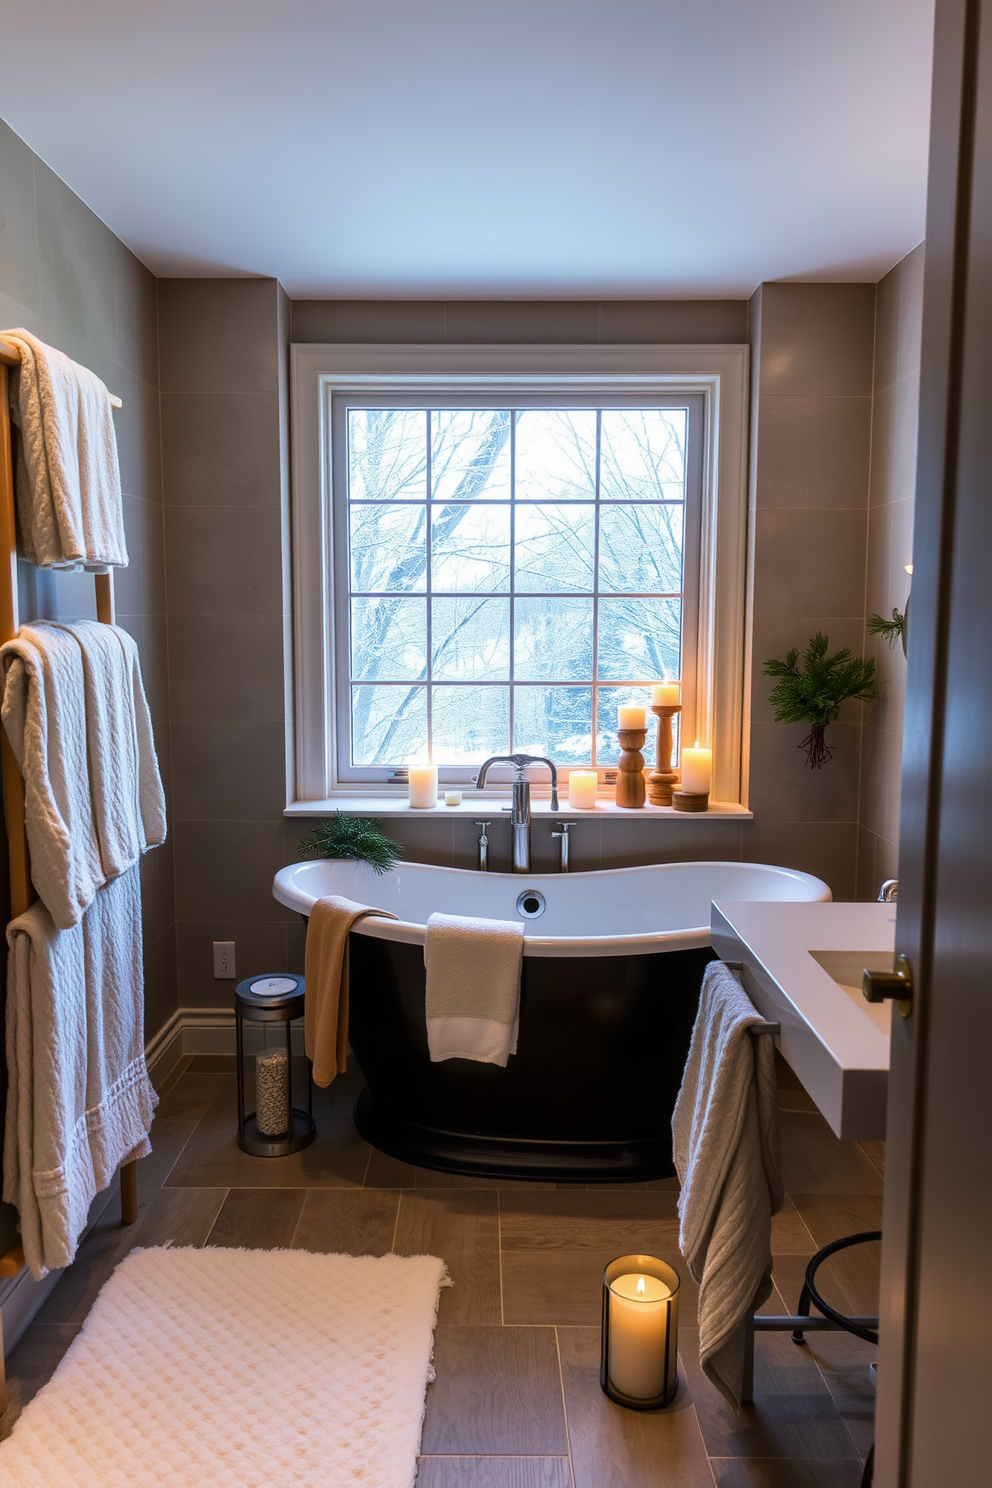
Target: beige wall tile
(228, 768)
(893, 453)
(399, 321)
(139, 589)
(626, 844)
(810, 561)
(881, 784)
(137, 315)
(18, 225)
(259, 946)
(826, 849)
(784, 788)
(76, 266)
(899, 320)
(160, 982)
(866, 887)
(223, 560)
(218, 335)
(226, 666)
(139, 440)
(220, 448)
(685, 322)
(224, 870)
(813, 452)
(13, 314)
(817, 338)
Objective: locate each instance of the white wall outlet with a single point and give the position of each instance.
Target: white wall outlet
(224, 966)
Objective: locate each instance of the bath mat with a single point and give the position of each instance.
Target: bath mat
(237, 1369)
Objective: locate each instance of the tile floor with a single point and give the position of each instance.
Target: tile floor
(516, 1402)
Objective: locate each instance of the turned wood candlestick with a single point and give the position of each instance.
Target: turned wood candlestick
(663, 779)
(630, 781)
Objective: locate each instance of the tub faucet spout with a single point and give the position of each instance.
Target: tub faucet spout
(520, 810)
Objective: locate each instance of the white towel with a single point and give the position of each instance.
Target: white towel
(75, 712)
(473, 987)
(79, 1102)
(44, 715)
(125, 784)
(68, 480)
(726, 1139)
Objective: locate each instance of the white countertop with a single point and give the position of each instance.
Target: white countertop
(836, 1043)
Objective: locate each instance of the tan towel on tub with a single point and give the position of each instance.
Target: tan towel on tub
(726, 1140)
(473, 987)
(68, 480)
(325, 1003)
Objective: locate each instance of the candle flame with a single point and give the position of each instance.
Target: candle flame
(641, 1288)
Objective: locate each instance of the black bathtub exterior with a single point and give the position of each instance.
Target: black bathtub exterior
(588, 1096)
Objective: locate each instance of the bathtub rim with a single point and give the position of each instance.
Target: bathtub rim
(409, 932)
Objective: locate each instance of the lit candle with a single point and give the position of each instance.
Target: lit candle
(631, 718)
(666, 695)
(697, 768)
(423, 785)
(582, 786)
(638, 1336)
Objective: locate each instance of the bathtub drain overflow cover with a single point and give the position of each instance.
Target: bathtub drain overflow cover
(530, 904)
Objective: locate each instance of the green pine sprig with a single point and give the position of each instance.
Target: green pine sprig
(891, 630)
(357, 838)
(814, 693)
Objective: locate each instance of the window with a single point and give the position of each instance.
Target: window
(496, 547)
(506, 577)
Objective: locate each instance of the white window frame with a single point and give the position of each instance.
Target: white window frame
(718, 373)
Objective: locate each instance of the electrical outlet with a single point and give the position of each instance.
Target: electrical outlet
(224, 969)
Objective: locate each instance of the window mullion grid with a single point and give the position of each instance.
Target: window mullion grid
(595, 595)
(513, 575)
(429, 601)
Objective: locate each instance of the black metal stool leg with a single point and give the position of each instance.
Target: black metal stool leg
(802, 1310)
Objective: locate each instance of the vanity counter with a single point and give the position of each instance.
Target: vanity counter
(801, 967)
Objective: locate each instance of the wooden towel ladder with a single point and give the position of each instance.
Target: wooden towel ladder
(22, 892)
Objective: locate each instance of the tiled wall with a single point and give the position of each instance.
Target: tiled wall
(65, 277)
(890, 543)
(813, 352)
(223, 370)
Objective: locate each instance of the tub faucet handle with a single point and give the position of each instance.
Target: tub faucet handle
(483, 864)
(562, 834)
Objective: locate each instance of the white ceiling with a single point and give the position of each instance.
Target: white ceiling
(561, 148)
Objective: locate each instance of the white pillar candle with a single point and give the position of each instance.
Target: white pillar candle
(582, 786)
(697, 769)
(638, 1336)
(423, 785)
(666, 695)
(272, 1092)
(631, 718)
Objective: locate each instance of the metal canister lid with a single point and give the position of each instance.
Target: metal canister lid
(265, 991)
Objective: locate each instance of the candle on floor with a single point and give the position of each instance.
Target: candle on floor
(640, 1331)
(666, 695)
(582, 787)
(631, 718)
(697, 769)
(423, 786)
(272, 1092)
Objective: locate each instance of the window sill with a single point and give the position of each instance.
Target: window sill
(474, 806)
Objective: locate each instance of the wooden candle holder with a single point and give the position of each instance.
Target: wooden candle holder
(663, 779)
(690, 801)
(631, 790)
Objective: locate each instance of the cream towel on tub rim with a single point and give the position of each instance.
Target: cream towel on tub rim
(473, 987)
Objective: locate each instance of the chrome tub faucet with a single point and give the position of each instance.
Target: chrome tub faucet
(520, 810)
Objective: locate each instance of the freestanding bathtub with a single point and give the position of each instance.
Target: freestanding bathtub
(612, 966)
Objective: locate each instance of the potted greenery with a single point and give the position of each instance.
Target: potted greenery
(354, 837)
(813, 693)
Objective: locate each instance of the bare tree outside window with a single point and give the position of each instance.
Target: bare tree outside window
(515, 575)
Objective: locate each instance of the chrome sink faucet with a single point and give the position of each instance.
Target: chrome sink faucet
(520, 810)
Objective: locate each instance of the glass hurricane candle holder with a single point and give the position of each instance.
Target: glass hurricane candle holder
(275, 1096)
(639, 1364)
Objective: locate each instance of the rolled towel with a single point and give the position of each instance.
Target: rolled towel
(68, 479)
(325, 1004)
(473, 987)
(726, 1140)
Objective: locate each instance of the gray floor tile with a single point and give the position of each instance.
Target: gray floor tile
(815, 1161)
(348, 1221)
(772, 1472)
(616, 1448)
(462, 1227)
(258, 1218)
(494, 1472)
(31, 1364)
(497, 1392)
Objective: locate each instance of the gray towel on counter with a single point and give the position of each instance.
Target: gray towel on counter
(726, 1141)
(473, 987)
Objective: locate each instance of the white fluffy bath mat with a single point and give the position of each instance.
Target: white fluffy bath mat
(209, 1368)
